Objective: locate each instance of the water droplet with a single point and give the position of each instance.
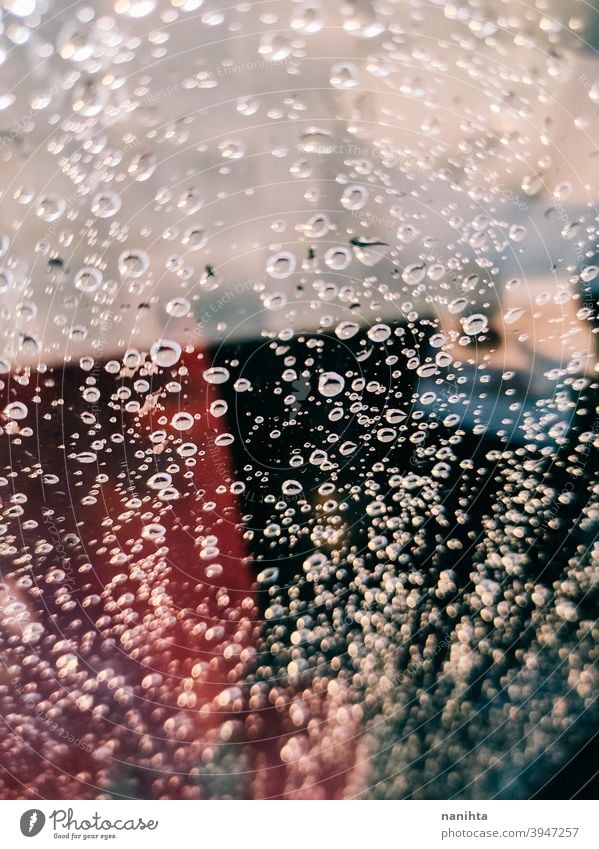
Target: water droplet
(475, 324)
(178, 307)
(379, 332)
(275, 301)
(135, 8)
(216, 375)
(182, 421)
(513, 314)
(248, 106)
(330, 384)
(346, 329)
(281, 265)
(220, 407)
(133, 263)
(307, 19)
(274, 47)
(143, 166)
(337, 258)
(414, 273)
(165, 352)
(50, 207)
(354, 197)
(291, 488)
(6, 280)
(88, 279)
(517, 232)
(106, 204)
(232, 149)
(532, 184)
(344, 75)
(369, 251)
(16, 410)
(317, 141)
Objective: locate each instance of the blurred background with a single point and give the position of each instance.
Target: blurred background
(221, 138)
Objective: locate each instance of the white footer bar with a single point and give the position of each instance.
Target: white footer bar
(301, 825)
